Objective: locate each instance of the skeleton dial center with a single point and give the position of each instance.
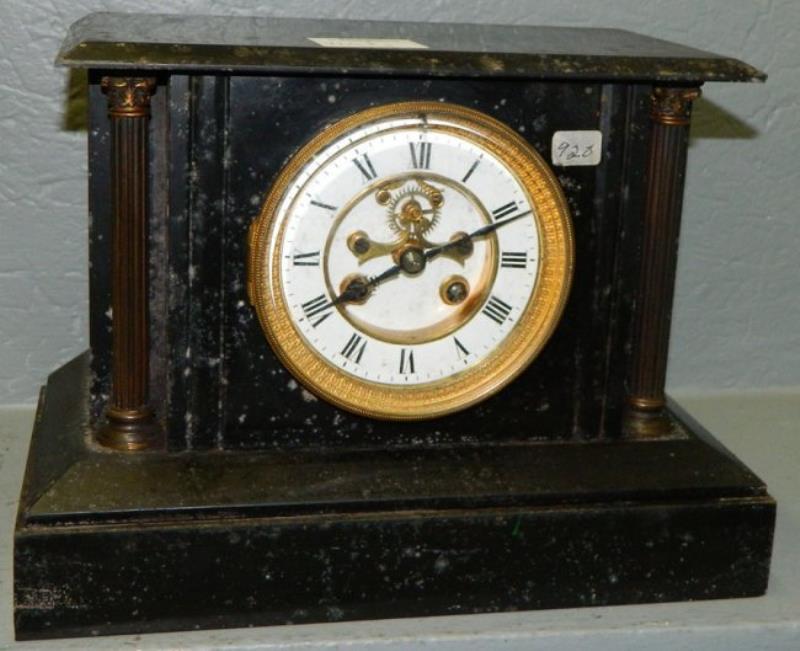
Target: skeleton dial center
(408, 251)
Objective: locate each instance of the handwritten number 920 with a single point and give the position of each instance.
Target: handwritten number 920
(568, 151)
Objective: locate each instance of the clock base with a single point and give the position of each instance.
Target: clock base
(153, 541)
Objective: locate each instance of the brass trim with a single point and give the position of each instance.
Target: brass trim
(128, 97)
(672, 106)
(445, 284)
(646, 404)
(475, 383)
(643, 425)
(129, 430)
(248, 269)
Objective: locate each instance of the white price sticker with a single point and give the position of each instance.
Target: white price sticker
(572, 148)
(372, 43)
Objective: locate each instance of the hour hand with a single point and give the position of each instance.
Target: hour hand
(357, 288)
(411, 259)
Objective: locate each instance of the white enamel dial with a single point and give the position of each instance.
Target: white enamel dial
(403, 257)
(397, 335)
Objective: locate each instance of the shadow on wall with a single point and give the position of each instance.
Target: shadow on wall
(75, 116)
(712, 121)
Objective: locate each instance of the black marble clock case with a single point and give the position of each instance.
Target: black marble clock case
(265, 505)
(217, 143)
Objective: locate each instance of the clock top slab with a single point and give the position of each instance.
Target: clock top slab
(321, 46)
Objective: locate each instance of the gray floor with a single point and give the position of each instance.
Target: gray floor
(762, 428)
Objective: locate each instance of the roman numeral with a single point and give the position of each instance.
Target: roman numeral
(406, 361)
(471, 169)
(317, 309)
(306, 259)
(496, 310)
(420, 155)
(352, 348)
(504, 211)
(319, 204)
(365, 167)
(461, 350)
(513, 260)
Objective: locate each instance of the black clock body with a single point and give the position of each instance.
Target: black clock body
(219, 385)
(194, 483)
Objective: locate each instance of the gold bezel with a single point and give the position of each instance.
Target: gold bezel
(473, 384)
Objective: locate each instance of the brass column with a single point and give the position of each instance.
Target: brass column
(130, 421)
(670, 112)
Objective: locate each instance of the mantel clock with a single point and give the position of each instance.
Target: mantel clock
(379, 327)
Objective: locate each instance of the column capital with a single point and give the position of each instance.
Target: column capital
(672, 106)
(128, 96)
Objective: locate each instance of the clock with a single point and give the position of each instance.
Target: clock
(379, 323)
(411, 259)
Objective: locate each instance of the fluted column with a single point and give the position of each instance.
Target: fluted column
(670, 112)
(130, 421)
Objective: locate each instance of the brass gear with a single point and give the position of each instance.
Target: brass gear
(411, 211)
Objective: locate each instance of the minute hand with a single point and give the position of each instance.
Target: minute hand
(480, 232)
(358, 291)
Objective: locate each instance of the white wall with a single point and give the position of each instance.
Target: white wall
(737, 313)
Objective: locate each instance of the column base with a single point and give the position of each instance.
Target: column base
(638, 424)
(129, 430)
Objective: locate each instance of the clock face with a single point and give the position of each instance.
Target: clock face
(411, 260)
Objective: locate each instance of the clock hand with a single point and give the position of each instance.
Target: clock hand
(358, 289)
(484, 230)
(468, 237)
(413, 261)
(410, 259)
